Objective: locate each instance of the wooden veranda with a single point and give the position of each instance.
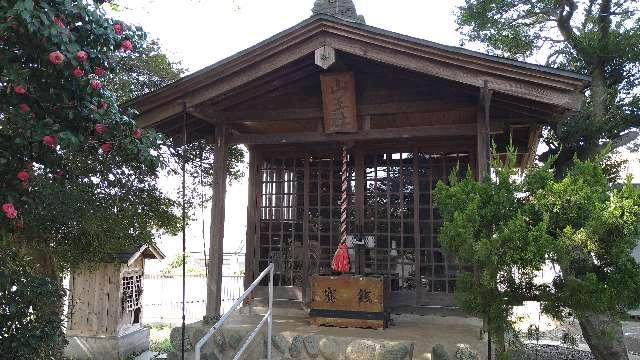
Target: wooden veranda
(420, 109)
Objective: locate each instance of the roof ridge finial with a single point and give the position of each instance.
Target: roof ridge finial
(343, 9)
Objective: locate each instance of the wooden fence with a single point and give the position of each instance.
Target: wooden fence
(162, 298)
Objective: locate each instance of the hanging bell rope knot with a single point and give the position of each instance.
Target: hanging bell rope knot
(340, 262)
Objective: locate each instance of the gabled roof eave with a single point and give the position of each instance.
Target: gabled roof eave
(334, 27)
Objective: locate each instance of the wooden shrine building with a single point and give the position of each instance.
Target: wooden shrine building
(105, 319)
(408, 111)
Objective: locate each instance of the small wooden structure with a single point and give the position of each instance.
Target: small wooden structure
(408, 110)
(105, 307)
(350, 301)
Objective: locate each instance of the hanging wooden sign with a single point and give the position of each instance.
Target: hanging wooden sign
(339, 102)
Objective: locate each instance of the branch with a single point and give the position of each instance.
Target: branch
(604, 23)
(588, 14)
(564, 19)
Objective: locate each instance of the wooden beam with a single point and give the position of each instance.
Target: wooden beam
(199, 115)
(361, 182)
(455, 70)
(483, 132)
(373, 134)
(430, 106)
(270, 84)
(250, 243)
(216, 240)
(416, 227)
(305, 230)
(534, 140)
(199, 94)
(304, 39)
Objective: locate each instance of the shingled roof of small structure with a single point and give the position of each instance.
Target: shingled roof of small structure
(129, 256)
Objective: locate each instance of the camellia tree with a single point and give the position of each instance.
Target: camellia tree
(78, 177)
(509, 226)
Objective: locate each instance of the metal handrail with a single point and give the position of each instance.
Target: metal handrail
(268, 318)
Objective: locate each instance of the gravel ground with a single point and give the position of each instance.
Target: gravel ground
(555, 352)
(552, 344)
(569, 329)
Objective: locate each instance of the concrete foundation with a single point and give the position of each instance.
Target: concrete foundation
(107, 347)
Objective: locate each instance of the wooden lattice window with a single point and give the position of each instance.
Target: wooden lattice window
(131, 292)
(281, 207)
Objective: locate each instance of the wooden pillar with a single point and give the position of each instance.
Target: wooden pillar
(216, 249)
(305, 230)
(483, 142)
(416, 229)
(360, 188)
(249, 266)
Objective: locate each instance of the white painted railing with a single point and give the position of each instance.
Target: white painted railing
(268, 319)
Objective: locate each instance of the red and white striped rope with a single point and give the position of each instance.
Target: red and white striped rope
(343, 195)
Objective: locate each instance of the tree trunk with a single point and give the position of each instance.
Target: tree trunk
(48, 268)
(603, 333)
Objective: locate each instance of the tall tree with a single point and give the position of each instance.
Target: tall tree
(599, 38)
(79, 180)
(150, 68)
(146, 69)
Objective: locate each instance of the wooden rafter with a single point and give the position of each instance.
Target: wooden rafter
(518, 79)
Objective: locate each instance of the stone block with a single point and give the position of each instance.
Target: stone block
(395, 350)
(329, 350)
(439, 352)
(297, 347)
(362, 350)
(465, 352)
(312, 345)
(108, 347)
(281, 344)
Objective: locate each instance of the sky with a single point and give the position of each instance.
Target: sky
(201, 32)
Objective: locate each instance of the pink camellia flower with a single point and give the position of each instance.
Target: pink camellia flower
(58, 21)
(118, 28)
(24, 108)
(99, 71)
(95, 84)
(49, 140)
(103, 105)
(137, 133)
(82, 56)
(77, 72)
(100, 128)
(56, 57)
(126, 45)
(23, 176)
(9, 210)
(106, 147)
(20, 89)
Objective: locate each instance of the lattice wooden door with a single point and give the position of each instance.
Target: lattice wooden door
(299, 220)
